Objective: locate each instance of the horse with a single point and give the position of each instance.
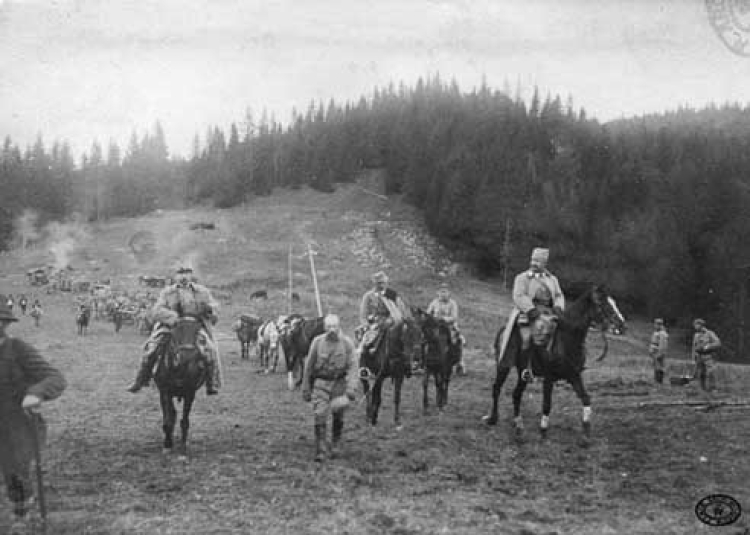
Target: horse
(36, 313)
(181, 370)
(439, 356)
(268, 345)
(389, 358)
(295, 342)
(247, 332)
(564, 361)
(82, 320)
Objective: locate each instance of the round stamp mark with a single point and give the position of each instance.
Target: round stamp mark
(730, 20)
(718, 510)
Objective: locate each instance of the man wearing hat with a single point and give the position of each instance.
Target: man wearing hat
(381, 308)
(26, 380)
(705, 348)
(444, 307)
(184, 298)
(538, 299)
(330, 382)
(658, 349)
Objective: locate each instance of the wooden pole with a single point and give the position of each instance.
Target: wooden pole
(315, 279)
(291, 275)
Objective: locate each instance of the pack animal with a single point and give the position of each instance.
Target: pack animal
(82, 320)
(246, 328)
(268, 346)
(564, 360)
(296, 343)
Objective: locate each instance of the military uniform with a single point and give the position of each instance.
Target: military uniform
(705, 346)
(331, 372)
(23, 372)
(173, 302)
(658, 353)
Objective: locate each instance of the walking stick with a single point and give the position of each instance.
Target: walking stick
(33, 419)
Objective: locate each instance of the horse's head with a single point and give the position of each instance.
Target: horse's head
(187, 340)
(605, 311)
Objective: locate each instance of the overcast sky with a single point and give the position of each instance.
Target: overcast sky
(99, 69)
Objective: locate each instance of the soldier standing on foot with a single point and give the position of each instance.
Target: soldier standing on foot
(658, 349)
(705, 347)
(331, 376)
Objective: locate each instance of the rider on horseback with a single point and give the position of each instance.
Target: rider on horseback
(443, 307)
(185, 298)
(539, 301)
(381, 308)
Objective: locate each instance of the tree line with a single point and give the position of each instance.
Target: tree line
(656, 206)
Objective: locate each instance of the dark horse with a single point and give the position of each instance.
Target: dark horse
(389, 359)
(565, 361)
(181, 371)
(247, 333)
(295, 341)
(439, 356)
(82, 320)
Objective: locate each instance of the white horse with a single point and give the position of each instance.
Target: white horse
(268, 345)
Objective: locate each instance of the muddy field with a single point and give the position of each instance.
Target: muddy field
(250, 466)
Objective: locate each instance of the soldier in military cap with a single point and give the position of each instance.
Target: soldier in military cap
(538, 301)
(330, 382)
(706, 346)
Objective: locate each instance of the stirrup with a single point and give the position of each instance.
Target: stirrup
(527, 375)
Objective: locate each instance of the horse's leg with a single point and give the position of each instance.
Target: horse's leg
(275, 359)
(446, 383)
(169, 416)
(577, 383)
(377, 389)
(517, 396)
(547, 387)
(300, 365)
(497, 386)
(397, 384)
(187, 404)
(439, 385)
(425, 388)
(368, 398)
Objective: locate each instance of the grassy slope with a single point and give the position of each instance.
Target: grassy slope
(250, 468)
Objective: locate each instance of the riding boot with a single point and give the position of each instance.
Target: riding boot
(338, 429)
(321, 448)
(211, 378)
(144, 373)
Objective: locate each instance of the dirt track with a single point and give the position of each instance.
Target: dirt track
(250, 468)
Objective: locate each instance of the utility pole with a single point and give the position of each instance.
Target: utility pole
(311, 253)
(291, 275)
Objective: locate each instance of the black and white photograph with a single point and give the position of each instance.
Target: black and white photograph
(404, 267)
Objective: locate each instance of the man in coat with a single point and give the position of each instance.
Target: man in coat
(184, 298)
(330, 382)
(538, 301)
(381, 308)
(26, 380)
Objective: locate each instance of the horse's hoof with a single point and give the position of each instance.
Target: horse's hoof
(399, 427)
(166, 451)
(489, 420)
(183, 457)
(543, 433)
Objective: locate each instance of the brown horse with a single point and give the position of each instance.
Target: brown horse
(180, 372)
(295, 342)
(439, 356)
(247, 333)
(390, 358)
(564, 361)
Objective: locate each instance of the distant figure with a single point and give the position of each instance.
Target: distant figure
(23, 303)
(705, 348)
(260, 294)
(330, 382)
(11, 302)
(26, 380)
(658, 349)
(36, 312)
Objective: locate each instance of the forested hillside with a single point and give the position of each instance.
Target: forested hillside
(656, 206)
